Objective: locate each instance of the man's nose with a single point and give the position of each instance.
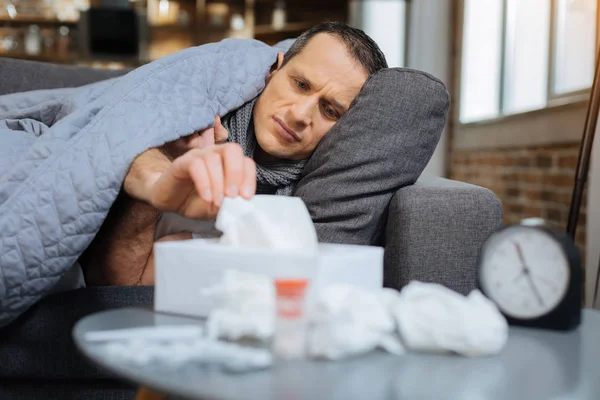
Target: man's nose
(301, 112)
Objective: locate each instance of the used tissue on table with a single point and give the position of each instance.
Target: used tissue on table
(348, 320)
(269, 235)
(174, 352)
(245, 307)
(425, 316)
(431, 317)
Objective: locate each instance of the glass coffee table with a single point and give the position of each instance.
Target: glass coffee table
(535, 364)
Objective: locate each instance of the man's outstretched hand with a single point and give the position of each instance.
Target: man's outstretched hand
(194, 184)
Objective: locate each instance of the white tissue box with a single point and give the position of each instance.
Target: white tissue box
(184, 268)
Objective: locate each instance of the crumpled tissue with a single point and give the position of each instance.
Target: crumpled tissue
(277, 222)
(431, 317)
(347, 320)
(174, 352)
(245, 307)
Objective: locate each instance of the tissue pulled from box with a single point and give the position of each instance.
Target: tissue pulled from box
(277, 222)
(347, 320)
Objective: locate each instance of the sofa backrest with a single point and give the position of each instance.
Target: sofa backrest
(24, 75)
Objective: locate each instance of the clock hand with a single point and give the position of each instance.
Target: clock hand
(528, 274)
(520, 254)
(534, 288)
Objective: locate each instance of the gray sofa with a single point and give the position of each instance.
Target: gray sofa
(434, 231)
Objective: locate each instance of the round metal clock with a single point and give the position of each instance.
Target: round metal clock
(532, 272)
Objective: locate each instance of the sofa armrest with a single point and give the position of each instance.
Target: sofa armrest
(435, 230)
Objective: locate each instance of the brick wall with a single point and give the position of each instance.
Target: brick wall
(534, 182)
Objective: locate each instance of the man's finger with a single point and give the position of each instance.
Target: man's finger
(199, 174)
(208, 137)
(214, 165)
(202, 140)
(248, 188)
(233, 162)
(167, 190)
(221, 134)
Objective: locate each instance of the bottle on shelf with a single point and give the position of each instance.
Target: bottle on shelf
(33, 41)
(279, 15)
(238, 28)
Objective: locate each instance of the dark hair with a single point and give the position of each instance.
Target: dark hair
(359, 45)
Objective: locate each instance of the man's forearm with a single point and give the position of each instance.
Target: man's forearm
(119, 253)
(144, 172)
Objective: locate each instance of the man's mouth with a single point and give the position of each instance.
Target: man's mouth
(285, 132)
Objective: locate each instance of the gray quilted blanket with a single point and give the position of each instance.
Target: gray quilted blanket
(64, 153)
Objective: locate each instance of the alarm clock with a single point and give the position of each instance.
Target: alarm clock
(532, 272)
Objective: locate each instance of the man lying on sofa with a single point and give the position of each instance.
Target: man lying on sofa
(261, 148)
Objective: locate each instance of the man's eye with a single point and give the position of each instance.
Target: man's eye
(301, 85)
(330, 112)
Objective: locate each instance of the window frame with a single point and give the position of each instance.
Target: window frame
(553, 99)
(552, 95)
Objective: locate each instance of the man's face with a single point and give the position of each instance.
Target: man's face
(305, 98)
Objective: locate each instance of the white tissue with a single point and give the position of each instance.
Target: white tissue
(433, 318)
(244, 306)
(146, 332)
(177, 353)
(267, 222)
(348, 320)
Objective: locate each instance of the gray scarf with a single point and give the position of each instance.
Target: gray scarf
(280, 176)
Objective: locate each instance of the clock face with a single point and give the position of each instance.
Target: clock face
(524, 271)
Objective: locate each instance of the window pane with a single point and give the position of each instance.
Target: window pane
(575, 45)
(526, 57)
(385, 22)
(481, 50)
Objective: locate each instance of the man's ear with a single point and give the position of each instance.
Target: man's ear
(276, 65)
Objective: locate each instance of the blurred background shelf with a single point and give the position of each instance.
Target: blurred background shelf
(292, 27)
(35, 19)
(30, 31)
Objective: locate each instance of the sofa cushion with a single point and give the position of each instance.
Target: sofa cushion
(23, 75)
(39, 343)
(380, 145)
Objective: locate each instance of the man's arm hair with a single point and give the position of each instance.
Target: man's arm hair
(120, 251)
(123, 246)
